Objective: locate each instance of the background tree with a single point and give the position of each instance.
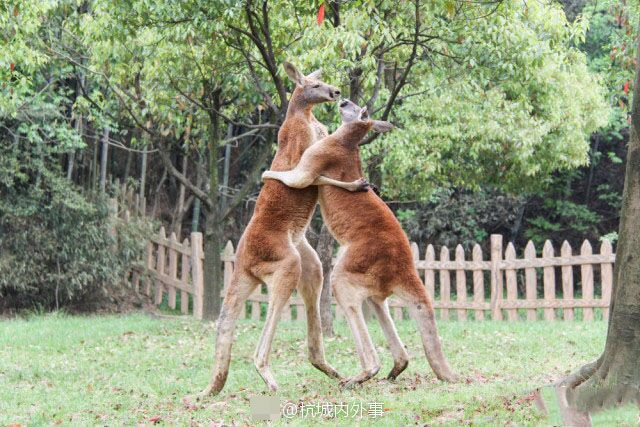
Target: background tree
(192, 94)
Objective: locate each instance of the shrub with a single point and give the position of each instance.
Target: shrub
(57, 246)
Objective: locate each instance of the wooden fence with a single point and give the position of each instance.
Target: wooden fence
(500, 286)
(164, 258)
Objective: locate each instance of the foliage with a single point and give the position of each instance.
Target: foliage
(55, 244)
(483, 94)
(585, 203)
(563, 218)
(505, 115)
(488, 99)
(449, 218)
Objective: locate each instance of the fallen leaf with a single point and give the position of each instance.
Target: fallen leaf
(188, 405)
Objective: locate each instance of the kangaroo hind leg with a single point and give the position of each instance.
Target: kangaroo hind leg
(414, 295)
(281, 285)
(398, 351)
(310, 288)
(238, 291)
(350, 299)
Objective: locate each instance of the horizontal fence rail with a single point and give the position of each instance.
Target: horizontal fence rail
(500, 288)
(498, 285)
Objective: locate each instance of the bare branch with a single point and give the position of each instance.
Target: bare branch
(184, 180)
(252, 178)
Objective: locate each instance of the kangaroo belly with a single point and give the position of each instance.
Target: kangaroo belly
(376, 244)
(281, 217)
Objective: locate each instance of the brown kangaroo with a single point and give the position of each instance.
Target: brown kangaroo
(273, 248)
(375, 258)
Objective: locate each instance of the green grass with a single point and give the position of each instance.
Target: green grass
(126, 370)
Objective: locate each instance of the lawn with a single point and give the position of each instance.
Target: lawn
(136, 369)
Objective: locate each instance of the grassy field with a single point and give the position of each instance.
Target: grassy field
(127, 370)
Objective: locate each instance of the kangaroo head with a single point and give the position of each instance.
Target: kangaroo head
(351, 113)
(310, 89)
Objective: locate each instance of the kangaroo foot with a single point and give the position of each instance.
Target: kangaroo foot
(327, 369)
(397, 369)
(349, 383)
(267, 376)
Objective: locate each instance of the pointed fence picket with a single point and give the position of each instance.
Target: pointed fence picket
(568, 289)
(555, 300)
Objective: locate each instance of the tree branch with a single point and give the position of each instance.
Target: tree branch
(403, 78)
(183, 179)
(252, 178)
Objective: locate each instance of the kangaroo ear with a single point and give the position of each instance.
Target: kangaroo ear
(382, 126)
(293, 73)
(316, 74)
(364, 114)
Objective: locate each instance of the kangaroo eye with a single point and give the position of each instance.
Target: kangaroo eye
(316, 86)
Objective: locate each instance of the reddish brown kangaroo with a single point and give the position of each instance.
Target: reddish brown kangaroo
(375, 258)
(273, 248)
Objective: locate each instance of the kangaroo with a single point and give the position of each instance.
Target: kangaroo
(375, 259)
(273, 248)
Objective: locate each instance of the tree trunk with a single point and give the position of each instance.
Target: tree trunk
(615, 377)
(197, 203)
(195, 218)
(127, 166)
(79, 128)
(212, 268)
(592, 166)
(71, 158)
(163, 177)
(103, 160)
(178, 214)
(225, 173)
(213, 226)
(143, 173)
(324, 248)
(94, 164)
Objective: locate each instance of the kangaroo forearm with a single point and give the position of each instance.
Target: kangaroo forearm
(356, 185)
(290, 178)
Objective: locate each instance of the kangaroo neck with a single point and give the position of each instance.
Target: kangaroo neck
(295, 135)
(351, 134)
(298, 107)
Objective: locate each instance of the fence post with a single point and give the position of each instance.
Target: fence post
(160, 260)
(567, 280)
(429, 273)
(173, 269)
(549, 281)
(586, 275)
(512, 283)
(149, 266)
(478, 282)
(606, 273)
(445, 284)
(461, 283)
(184, 278)
(197, 273)
(531, 281)
(496, 276)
